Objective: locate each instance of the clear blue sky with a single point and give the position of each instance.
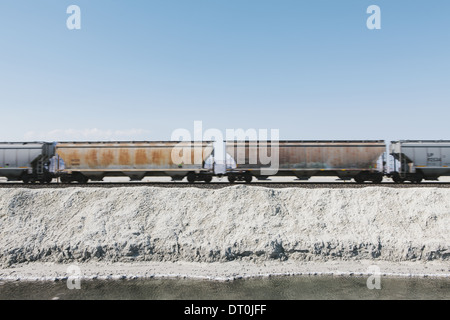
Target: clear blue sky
(141, 69)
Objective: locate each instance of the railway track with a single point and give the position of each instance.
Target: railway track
(219, 185)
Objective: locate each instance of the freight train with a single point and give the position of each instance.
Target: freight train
(358, 160)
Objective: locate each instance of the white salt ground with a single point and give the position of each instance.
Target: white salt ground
(218, 271)
(234, 232)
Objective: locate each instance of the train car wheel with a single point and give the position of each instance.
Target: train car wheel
(191, 177)
(359, 178)
(65, 179)
(231, 178)
(378, 179)
(418, 177)
(82, 179)
(47, 178)
(396, 178)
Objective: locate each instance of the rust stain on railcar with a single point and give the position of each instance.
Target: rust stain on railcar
(71, 159)
(156, 157)
(323, 155)
(124, 156)
(329, 156)
(107, 157)
(141, 157)
(92, 158)
(193, 155)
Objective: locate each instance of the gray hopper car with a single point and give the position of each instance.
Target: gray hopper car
(418, 160)
(26, 161)
(304, 159)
